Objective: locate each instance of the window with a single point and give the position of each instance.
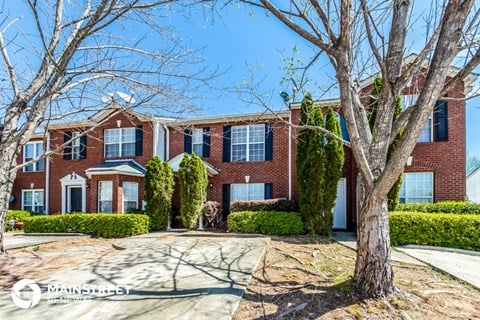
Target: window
(76, 146)
(417, 187)
(105, 196)
(248, 143)
(32, 200)
(130, 196)
(247, 191)
(119, 142)
(31, 151)
(197, 142)
(427, 133)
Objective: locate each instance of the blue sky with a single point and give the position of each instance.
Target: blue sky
(238, 39)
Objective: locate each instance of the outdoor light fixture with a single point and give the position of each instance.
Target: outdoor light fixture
(247, 179)
(409, 161)
(210, 185)
(32, 185)
(119, 123)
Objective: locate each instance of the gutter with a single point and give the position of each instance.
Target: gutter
(47, 177)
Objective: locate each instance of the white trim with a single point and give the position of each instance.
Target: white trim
(99, 192)
(35, 155)
(123, 194)
(406, 196)
(120, 142)
(33, 198)
(46, 210)
(73, 180)
(247, 143)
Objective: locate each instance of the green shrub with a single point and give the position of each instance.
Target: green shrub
(17, 215)
(442, 206)
(101, 225)
(265, 205)
(266, 222)
(435, 229)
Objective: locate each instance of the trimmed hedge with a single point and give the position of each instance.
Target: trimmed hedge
(17, 215)
(100, 224)
(266, 222)
(442, 206)
(435, 229)
(282, 205)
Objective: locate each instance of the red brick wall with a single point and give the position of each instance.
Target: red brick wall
(59, 167)
(274, 171)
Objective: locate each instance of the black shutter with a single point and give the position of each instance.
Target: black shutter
(139, 140)
(225, 200)
(206, 143)
(67, 149)
(268, 142)
(343, 126)
(187, 141)
(268, 190)
(83, 146)
(227, 143)
(440, 121)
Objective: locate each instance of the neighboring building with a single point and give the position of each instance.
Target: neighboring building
(473, 186)
(249, 157)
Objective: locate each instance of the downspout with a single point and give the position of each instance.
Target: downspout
(47, 177)
(290, 153)
(167, 143)
(155, 138)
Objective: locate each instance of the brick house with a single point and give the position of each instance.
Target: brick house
(248, 156)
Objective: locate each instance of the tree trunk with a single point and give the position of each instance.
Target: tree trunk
(373, 268)
(8, 173)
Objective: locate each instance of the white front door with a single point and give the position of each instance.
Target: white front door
(340, 210)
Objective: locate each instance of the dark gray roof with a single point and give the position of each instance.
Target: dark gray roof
(118, 166)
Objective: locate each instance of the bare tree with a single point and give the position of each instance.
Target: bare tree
(341, 30)
(59, 58)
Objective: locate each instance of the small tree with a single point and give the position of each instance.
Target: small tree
(310, 168)
(394, 193)
(193, 179)
(334, 158)
(159, 185)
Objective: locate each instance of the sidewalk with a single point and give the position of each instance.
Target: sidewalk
(20, 240)
(461, 264)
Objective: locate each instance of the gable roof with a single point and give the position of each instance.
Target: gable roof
(125, 167)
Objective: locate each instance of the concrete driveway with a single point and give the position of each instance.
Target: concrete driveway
(171, 277)
(15, 241)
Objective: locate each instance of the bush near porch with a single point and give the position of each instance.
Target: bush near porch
(435, 229)
(441, 206)
(266, 222)
(283, 205)
(99, 224)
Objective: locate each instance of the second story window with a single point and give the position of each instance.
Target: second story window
(197, 140)
(75, 145)
(248, 143)
(31, 151)
(119, 142)
(427, 133)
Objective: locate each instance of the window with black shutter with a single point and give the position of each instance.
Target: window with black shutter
(440, 121)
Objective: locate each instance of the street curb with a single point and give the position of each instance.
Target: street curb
(50, 234)
(441, 249)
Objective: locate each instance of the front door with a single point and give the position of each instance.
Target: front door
(340, 210)
(75, 197)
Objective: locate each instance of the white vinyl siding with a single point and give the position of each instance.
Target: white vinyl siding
(417, 187)
(248, 143)
(130, 196)
(31, 151)
(247, 191)
(119, 142)
(32, 200)
(105, 196)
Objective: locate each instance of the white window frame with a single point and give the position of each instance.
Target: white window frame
(124, 195)
(34, 204)
(120, 141)
(248, 188)
(405, 197)
(36, 154)
(101, 194)
(76, 145)
(248, 143)
(409, 100)
(197, 141)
